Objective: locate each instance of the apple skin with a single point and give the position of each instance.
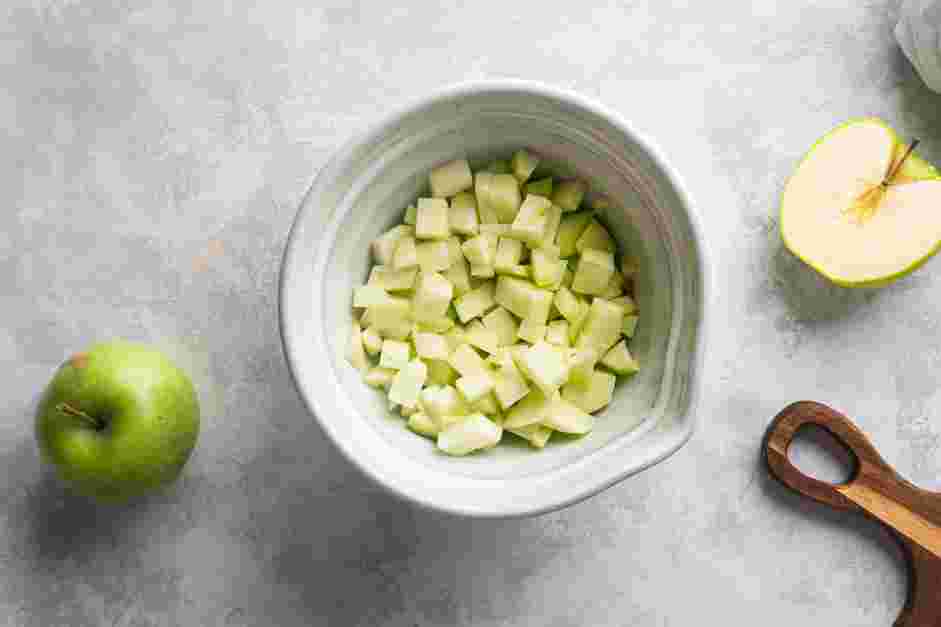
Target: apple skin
(148, 421)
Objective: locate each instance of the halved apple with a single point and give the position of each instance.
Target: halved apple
(862, 209)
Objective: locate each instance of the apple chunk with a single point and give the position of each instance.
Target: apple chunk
(545, 365)
(451, 178)
(474, 433)
(594, 272)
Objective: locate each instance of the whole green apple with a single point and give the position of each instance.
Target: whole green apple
(118, 420)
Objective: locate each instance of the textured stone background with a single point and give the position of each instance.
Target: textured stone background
(152, 157)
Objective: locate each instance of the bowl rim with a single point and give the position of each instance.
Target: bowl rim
(704, 294)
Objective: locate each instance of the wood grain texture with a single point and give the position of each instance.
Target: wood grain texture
(911, 514)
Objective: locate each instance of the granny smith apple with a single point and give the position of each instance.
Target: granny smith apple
(862, 208)
(118, 420)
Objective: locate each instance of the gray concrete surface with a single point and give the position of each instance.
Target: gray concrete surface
(153, 154)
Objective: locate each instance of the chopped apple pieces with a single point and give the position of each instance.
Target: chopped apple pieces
(496, 305)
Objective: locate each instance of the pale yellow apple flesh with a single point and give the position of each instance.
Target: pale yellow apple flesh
(852, 243)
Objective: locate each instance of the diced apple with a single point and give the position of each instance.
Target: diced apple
(530, 223)
(582, 363)
(383, 247)
(395, 354)
(509, 253)
(462, 214)
(407, 384)
(570, 229)
(568, 194)
(482, 272)
(537, 435)
(434, 256)
(475, 386)
(615, 287)
(628, 303)
(372, 341)
(422, 424)
(443, 402)
(602, 327)
(475, 303)
(495, 229)
(431, 221)
(519, 271)
(502, 323)
(542, 187)
(545, 365)
(504, 196)
(406, 255)
(355, 353)
(620, 360)
(486, 212)
(568, 418)
(476, 432)
(547, 268)
(495, 272)
(479, 250)
(591, 395)
(405, 412)
(455, 337)
(594, 272)
(487, 404)
(533, 409)
(459, 276)
(576, 325)
(480, 336)
(432, 296)
(440, 372)
(467, 361)
(523, 298)
(553, 222)
(369, 295)
(568, 304)
(595, 236)
(532, 331)
(391, 314)
(449, 179)
(379, 377)
(557, 333)
(509, 385)
(431, 346)
(523, 165)
(630, 326)
(454, 250)
(392, 280)
(540, 303)
(432, 324)
(400, 331)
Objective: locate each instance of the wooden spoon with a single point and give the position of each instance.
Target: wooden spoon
(912, 515)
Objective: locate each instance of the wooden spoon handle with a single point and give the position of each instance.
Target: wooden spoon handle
(781, 434)
(913, 514)
(874, 487)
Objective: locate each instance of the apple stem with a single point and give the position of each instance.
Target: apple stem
(65, 408)
(898, 164)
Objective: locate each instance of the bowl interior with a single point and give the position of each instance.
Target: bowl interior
(374, 179)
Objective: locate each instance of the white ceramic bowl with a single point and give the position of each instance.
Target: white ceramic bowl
(363, 191)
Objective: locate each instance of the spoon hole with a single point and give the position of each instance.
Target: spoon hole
(818, 454)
